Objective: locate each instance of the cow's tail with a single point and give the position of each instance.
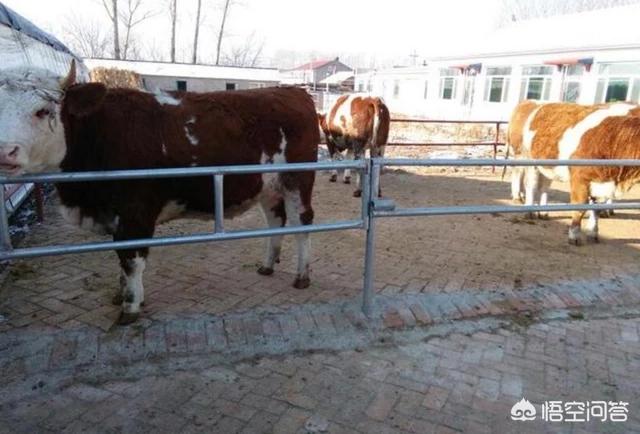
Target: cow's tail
(381, 120)
(506, 157)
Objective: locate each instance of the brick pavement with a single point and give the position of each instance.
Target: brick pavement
(432, 380)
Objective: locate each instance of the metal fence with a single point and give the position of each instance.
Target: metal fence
(372, 207)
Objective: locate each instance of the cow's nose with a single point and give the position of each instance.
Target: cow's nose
(9, 154)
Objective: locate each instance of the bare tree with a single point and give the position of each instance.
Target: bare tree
(518, 10)
(112, 12)
(223, 21)
(173, 13)
(86, 37)
(248, 53)
(132, 16)
(194, 58)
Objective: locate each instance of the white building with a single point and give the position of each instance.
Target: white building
(197, 78)
(591, 57)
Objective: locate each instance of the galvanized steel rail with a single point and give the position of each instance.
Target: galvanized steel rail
(372, 207)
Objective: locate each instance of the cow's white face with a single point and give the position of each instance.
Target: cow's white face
(31, 133)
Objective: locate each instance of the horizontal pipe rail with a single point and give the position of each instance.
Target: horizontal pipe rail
(436, 162)
(32, 252)
(183, 172)
(439, 121)
(503, 209)
(446, 144)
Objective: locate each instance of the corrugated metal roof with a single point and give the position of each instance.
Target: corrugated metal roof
(11, 19)
(185, 70)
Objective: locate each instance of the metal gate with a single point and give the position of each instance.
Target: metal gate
(372, 207)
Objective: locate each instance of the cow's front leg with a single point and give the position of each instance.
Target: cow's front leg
(378, 152)
(592, 226)
(517, 185)
(274, 214)
(346, 176)
(579, 195)
(334, 155)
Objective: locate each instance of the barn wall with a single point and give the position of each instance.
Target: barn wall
(201, 84)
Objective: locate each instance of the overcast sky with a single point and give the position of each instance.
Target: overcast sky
(390, 29)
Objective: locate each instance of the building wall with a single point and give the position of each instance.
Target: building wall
(329, 69)
(201, 84)
(404, 88)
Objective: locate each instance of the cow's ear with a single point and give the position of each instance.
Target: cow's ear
(84, 99)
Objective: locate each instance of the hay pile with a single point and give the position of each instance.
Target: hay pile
(113, 77)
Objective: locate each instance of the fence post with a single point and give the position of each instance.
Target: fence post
(370, 191)
(218, 198)
(5, 236)
(495, 144)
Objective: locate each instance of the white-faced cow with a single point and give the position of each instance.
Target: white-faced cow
(47, 124)
(572, 131)
(354, 124)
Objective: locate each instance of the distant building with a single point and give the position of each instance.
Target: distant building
(590, 57)
(198, 78)
(313, 73)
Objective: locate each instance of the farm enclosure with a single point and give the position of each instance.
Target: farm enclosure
(493, 254)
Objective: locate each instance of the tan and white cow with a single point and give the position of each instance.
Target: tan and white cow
(571, 131)
(354, 124)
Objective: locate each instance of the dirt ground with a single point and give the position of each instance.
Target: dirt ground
(435, 254)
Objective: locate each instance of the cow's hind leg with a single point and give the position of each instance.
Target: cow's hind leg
(132, 263)
(274, 214)
(532, 179)
(544, 184)
(358, 153)
(300, 213)
(517, 185)
(579, 195)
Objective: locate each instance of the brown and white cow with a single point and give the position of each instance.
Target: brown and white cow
(353, 124)
(555, 127)
(572, 131)
(47, 124)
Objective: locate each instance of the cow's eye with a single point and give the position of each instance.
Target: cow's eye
(43, 113)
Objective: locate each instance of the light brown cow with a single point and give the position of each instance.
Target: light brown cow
(571, 131)
(355, 123)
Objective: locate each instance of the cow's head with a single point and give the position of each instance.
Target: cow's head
(31, 133)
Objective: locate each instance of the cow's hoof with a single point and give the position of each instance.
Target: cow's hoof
(347, 180)
(334, 178)
(530, 216)
(127, 318)
(117, 300)
(265, 271)
(302, 283)
(593, 239)
(574, 241)
(357, 193)
(543, 216)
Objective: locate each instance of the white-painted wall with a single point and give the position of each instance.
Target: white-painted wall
(410, 99)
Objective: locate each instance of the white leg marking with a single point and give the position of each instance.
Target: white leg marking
(274, 244)
(134, 291)
(517, 184)
(293, 206)
(574, 234)
(592, 225)
(543, 189)
(346, 177)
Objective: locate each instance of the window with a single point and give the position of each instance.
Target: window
(571, 91)
(536, 83)
(181, 85)
(618, 82)
(497, 84)
(572, 82)
(426, 90)
(369, 86)
(396, 88)
(360, 87)
(231, 86)
(448, 83)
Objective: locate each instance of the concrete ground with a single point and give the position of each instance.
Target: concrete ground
(472, 315)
